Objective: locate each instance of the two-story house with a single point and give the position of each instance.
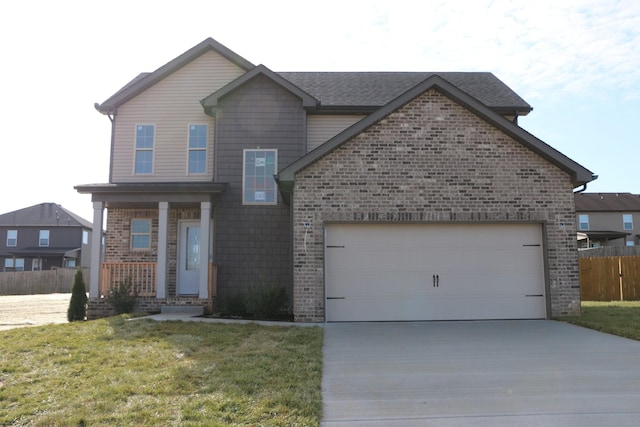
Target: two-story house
(367, 195)
(42, 237)
(607, 219)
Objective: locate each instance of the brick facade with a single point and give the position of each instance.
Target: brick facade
(433, 161)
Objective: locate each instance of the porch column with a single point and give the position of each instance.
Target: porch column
(205, 231)
(96, 250)
(163, 232)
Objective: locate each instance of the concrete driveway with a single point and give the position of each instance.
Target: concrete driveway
(491, 373)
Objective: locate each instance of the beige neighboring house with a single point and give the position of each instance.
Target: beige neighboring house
(607, 219)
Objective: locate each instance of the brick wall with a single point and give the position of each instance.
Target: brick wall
(99, 307)
(433, 161)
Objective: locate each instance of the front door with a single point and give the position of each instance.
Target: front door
(189, 258)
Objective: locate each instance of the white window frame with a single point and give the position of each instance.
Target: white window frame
(135, 234)
(44, 238)
(12, 242)
(581, 221)
(630, 243)
(272, 183)
(191, 149)
(137, 149)
(17, 264)
(627, 219)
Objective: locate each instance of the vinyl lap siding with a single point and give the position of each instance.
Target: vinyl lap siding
(321, 128)
(171, 105)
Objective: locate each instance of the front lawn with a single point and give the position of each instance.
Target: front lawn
(616, 317)
(116, 372)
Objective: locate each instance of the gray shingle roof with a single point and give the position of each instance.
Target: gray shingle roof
(375, 89)
(607, 202)
(43, 214)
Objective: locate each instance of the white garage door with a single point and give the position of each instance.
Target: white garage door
(381, 272)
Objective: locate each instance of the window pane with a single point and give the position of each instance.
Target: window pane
(193, 248)
(140, 241)
(44, 237)
(197, 161)
(198, 136)
(144, 136)
(627, 221)
(12, 237)
(19, 264)
(8, 263)
(584, 222)
(144, 161)
(259, 184)
(141, 226)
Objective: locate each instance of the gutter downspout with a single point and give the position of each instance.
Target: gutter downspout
(584, 188)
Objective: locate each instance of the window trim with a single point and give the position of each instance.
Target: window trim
(244, 176)
(580, 222)
(190, 149)
(133, 234)
(136, 149)
(624, 223)
(15, 239)
(40, 238)
(13, 264)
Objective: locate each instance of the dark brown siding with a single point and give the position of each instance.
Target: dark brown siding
(253, 243)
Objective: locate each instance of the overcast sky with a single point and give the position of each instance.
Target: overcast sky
(576, 62)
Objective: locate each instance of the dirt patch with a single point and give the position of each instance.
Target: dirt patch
(33, 310)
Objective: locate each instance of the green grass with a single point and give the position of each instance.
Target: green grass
(616, 317)
(113, 372)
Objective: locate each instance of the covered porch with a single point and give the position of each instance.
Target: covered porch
(158, 235)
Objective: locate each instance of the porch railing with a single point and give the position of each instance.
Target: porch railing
(142, 274)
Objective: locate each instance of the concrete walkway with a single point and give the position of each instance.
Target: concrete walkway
(501, 373)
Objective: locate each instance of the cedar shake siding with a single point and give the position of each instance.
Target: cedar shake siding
(433, 161)
(253, 243)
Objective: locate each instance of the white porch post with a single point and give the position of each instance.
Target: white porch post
(163, 232)
(96, 250)
(205, 231)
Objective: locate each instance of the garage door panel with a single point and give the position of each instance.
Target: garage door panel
(387, 272)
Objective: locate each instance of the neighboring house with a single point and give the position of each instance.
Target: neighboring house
(367, 195)
(607, 219)
(42, 237)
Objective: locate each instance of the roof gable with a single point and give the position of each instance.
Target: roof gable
(45, 215)
(145, 80)
(211, 101)
(579, 174)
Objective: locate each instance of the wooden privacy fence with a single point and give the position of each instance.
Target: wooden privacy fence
(611, 278)
(39, 282)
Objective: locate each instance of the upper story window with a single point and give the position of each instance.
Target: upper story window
(627, 221)
(258, 183)
(583, 222)
(12, 238)
(85, 237)
(145, 135)
(140, 234)
(197, 149)
(43, 240)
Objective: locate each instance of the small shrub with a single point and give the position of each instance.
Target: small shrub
(266, 301)
(122, 297)
(234, 304)
(78, 304)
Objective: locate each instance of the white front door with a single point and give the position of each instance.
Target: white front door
(189, 258)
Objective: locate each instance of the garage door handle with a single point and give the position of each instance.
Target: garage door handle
(436, 281)
(335, 297)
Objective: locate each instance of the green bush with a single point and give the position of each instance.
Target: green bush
(78, 304)
(258, 302)
(266, 301)
(122, 297)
